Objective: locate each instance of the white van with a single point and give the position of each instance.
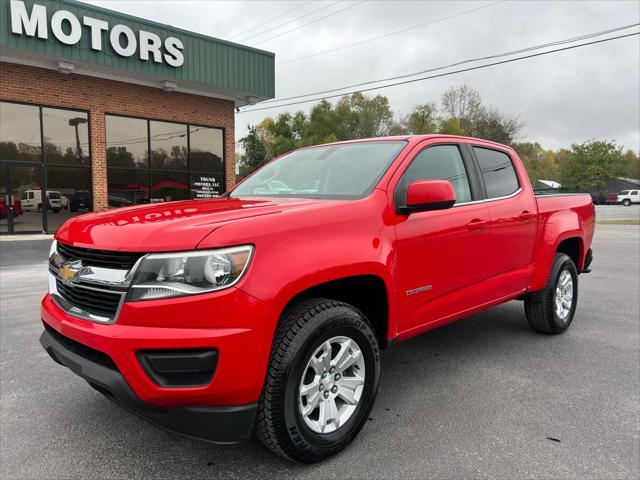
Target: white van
(627, 197)
(32, 200)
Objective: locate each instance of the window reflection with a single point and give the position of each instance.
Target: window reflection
(168, 145)
(206, 149)
(127, 187)
(169, 186)
(66, 137)
(126, 142)
(19, 132)
(68, 193)
(156, 161)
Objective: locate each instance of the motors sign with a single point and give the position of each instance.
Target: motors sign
(68, 29)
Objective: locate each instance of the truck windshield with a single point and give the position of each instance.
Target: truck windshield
(347, 171)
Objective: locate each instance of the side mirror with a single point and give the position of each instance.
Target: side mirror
(426, 195)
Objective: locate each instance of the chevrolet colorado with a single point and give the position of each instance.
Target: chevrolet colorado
(265, 310)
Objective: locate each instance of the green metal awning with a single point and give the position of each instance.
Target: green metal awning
(84, 39)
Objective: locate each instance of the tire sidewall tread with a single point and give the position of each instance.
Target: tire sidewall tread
(540, 306)
(279, 425)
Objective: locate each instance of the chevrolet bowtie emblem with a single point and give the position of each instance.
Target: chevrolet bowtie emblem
(69, 270)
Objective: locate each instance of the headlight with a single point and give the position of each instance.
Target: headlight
(54, 248)
(165, 275)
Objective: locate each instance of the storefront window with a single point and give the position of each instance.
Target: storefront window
(168, 186)
(127, 142)
(168, 146)
(206, 149)
(56, 183)
(155, 161)
(20, 132)
(66, 137)
(127, 187)
(68, 192)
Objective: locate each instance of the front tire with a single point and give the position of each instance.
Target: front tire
(626, 202)
(551, 310)
(321, 381)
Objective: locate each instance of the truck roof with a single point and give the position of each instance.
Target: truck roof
(412, 139)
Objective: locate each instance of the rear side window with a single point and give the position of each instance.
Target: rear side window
(635, 192)
(439, 162)
(498, 173)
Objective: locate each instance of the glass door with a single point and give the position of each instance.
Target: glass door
(23, 202)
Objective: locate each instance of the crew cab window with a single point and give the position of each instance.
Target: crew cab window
(498, 173)
(438, 162)
(635, 192)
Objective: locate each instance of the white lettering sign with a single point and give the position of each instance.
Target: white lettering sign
(67, 29)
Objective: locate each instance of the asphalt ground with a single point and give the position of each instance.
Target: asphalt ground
(481, 398)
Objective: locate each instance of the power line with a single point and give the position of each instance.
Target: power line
(312, 21)
(471, 60)
(324, 7)
(349, 45)
(478, 67)
(270, 20)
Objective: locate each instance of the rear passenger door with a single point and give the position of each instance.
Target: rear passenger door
(513, 214)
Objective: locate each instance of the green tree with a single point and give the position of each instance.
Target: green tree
(422, 120)
(474, 119)
(539, 163)
(451, 126)
(359, 116)
(255, 153)
(589, 164)
(631, 164)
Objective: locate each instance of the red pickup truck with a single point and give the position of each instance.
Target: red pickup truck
(265, 310)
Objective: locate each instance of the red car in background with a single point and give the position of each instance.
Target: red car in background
(17, 207)
(265, 310)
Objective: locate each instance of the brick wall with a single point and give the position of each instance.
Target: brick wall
(99, 96)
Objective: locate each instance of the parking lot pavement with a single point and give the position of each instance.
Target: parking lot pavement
(617, 212)
(482, 398)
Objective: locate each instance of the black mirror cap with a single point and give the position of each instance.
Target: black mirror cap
(424, 207)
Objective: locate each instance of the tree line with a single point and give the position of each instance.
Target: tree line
(461, 112)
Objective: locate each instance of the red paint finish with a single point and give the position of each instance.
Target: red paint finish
(430, 191)
(436, 266)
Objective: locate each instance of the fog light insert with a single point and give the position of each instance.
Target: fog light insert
(179, 368)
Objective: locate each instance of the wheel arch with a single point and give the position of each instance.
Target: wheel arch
(366, 292)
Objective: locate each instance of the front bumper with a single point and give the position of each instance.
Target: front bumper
(234, 324)
(215, 424)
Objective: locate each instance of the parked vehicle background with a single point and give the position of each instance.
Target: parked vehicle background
(17, 206)
(32, 200)
(627, 197)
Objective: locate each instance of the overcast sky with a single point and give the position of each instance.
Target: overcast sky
(563, 98)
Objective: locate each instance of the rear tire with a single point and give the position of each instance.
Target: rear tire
(291, 422)
(551, 310)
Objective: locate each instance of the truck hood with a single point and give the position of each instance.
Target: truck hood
(167, 226)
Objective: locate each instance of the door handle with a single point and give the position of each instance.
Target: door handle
(526, 215)
(477, 224)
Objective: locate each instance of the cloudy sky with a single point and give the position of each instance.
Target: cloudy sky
(563, 98)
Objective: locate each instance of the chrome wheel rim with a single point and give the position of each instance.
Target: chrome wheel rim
(564, 295)
(331, 385)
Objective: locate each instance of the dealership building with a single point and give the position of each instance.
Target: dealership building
(99, 110)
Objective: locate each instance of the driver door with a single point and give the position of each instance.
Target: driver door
(444, 253)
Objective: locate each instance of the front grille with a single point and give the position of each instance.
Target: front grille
(100, 258)
(89, 353)
(101, 303)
